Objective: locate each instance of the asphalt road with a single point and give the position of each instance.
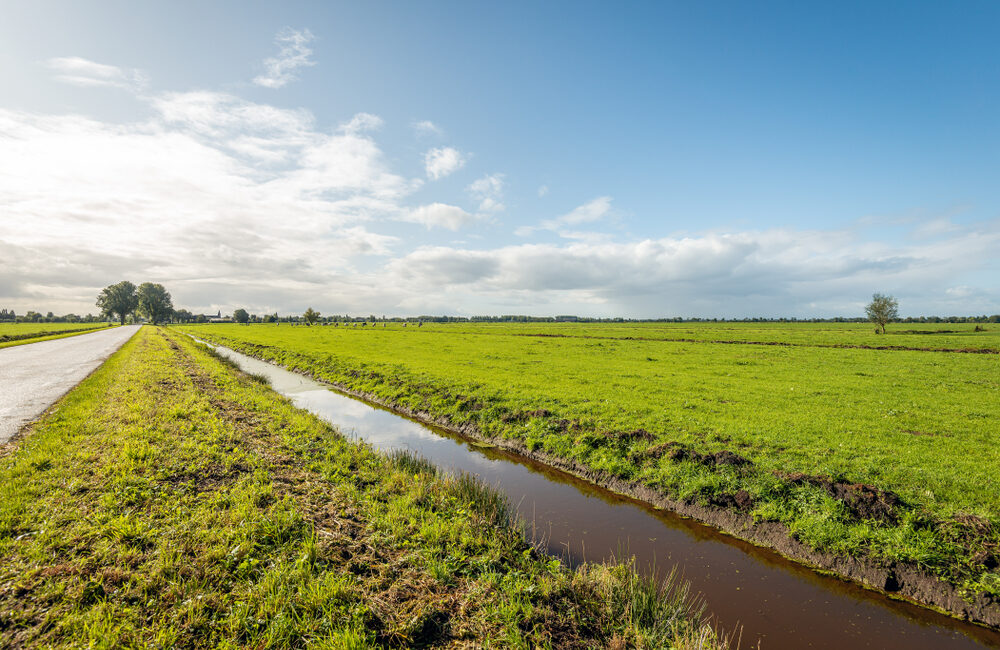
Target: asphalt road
(33, 376)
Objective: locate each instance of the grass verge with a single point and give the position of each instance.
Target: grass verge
(171, 500)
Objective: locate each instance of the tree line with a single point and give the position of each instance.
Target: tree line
(31, 316)
(153, 302)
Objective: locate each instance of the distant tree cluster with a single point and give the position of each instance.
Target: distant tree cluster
(149, 300)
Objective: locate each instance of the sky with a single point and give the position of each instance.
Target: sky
(644, 160)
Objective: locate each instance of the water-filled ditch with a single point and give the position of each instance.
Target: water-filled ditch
(776, 602)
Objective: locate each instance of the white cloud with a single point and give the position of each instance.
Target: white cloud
(362, 122)
(488, 190)
(222, 115)
(293, 53)
(441, 162)
(590, 212)
(543, 190)
(587, 213)
(439, 215)
(426, 127)
(83, 72)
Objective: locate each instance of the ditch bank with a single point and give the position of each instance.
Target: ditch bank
(897, 581)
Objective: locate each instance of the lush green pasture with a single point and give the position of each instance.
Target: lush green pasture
(172, 501)
(923, 425)
(952, 336)
(20, 333)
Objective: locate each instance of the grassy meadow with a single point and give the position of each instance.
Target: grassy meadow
(884, 453)
(21, 333)
(930, 336)
(173, 501)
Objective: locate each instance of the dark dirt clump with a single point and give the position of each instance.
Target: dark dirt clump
(740, 500)
(511, 418)
(864, 501)
(719, 458)
(522, 416)
(986, 559)
(975, 525)
(660, 450)
(981, 536)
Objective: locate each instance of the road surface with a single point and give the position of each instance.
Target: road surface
(33, 376)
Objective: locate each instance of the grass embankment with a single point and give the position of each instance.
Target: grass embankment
(171, 500)
(20, 333)
(886, 455)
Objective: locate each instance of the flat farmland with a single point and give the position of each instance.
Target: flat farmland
(888, 454)
(902, 336)
(19, 333)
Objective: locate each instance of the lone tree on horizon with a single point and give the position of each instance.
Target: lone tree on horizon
(311, 316)
(154, 302)
(120, 299)
(882, 310)
(241, 316)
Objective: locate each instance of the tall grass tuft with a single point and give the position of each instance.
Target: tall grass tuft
(259, 377)
(411, 463)
(660, 613)
(484, 499)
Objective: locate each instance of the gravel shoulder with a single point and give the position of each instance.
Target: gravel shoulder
(34, 376)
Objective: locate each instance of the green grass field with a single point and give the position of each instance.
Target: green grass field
(833, 432)
(173, 501)
(21, 333)
(942, 336)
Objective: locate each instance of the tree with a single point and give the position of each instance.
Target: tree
(119, 299)
(882, 310)
(311, 316)
(241, 316)
(154, 302)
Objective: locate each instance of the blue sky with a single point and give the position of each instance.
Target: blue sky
(656, 159)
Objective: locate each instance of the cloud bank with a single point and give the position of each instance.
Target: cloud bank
(232, 203)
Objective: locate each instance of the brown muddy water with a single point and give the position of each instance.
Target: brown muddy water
(769, 600)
